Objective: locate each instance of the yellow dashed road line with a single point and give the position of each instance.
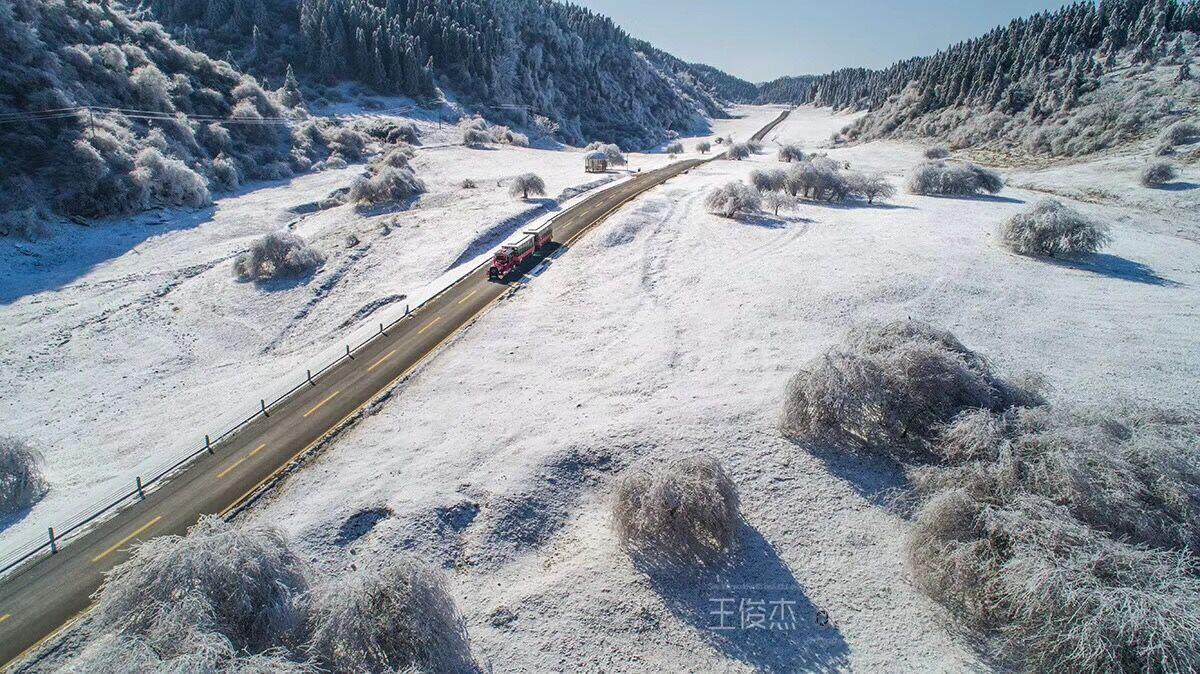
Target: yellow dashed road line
(429, 325)
(125, 540)
(318, 405)
(380, 361)
(237, 463)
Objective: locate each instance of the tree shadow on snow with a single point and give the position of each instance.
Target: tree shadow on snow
(768, 221)
(975, 197)
(73, 250)
(878, 479)
(751, 609)
(1115, 266)
(1178, 186)
(858, 205)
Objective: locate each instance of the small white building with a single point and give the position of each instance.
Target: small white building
(595, 162)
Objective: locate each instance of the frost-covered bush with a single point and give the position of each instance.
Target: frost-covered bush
(397, 157)
(1072, 533)
(738, 151)
(1053, 229)
(472, 137)
(790, 153)
(732, 198)
(525, 184)
(240, 584)
(1158, 174)
(468, 184)
(770, 180)
(21, 481)
(386, 185)
(818, 178)
(277, 255)
(680, 510)
(890, 388)
(506, 136)
(346, 143)
(940, 177)
(937, 152)
(26, 223)
(703, 147)
(396, 615)
(675, 148)
(755, 146)
(1181, 133)
(170, 181)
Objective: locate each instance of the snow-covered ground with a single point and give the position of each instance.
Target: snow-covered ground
(669, 331)
(126, 342)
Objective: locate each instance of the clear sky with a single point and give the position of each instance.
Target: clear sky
(763, 39)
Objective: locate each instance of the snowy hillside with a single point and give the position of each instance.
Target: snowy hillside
(673, 331)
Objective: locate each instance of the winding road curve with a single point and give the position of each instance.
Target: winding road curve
(49, 593)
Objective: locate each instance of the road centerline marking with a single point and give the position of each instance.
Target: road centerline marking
(469, 296)
(237, 463)
(429, 324)
(318, 405)
(380, 361)
(125, 540)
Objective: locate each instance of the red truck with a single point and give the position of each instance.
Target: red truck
(517, 249)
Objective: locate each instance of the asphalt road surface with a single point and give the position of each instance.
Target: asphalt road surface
(38, 600)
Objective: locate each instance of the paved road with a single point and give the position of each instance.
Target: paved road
(38, 600)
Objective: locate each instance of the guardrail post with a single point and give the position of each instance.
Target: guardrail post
(348, 352)
(381, 328)
(262, 404)
(405, 309)
(310, 378)
(141, 493)
(53, 545)
(208, 444)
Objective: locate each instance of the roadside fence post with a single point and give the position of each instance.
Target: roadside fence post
(405, 309)
(310, 378)
(381, 328)
(208, 444)
(141, 493)
(348, 352)
(53, 545)
(262, 404)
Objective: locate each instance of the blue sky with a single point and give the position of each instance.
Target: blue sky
(763, 39)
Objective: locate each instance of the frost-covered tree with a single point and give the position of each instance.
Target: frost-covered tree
(703, 147)
(938, 177)
(525, 184)
(675, 148)
(769, 180)
(738, 151)
(873, 186)
(790, 153)
(289, 94)
(777, 201)
(610, 150)
(733, 198)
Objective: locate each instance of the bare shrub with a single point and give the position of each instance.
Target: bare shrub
(468, 184)
(21, 481)
(277, 255)
(240, 583)
(937, 152)
(790, 153)
(1072, 532)
(770, 180)
(1158, 174)
(27, 223)
(703, 147)
(939, 177)
(473, 137)
(682, 510)
(738, 151)
(1053, 229)
(675, 148)
(526, 184)
(398, 616)
(755, 146)
(732, 198)
(891, 388)
(388, 185)
(398, 157)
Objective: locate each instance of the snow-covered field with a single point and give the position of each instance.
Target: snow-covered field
(126, 342)
(669, 331)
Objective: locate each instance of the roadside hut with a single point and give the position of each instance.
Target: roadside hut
(595, 162)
